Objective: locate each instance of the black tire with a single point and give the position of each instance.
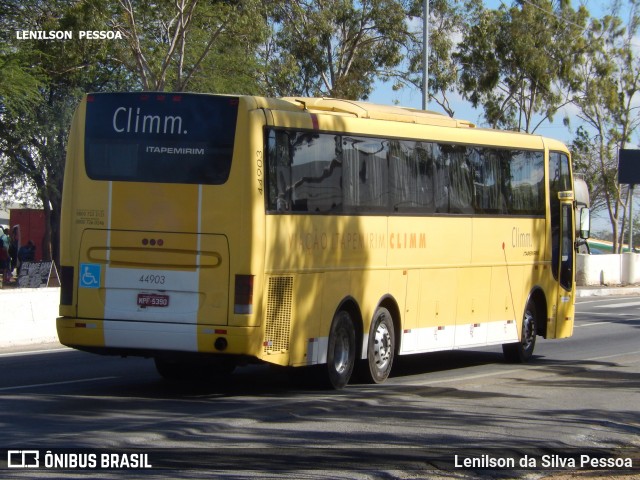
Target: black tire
(380, 349)
(341, 352)
(522, 351)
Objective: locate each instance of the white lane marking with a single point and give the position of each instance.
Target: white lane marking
(618, 305)
(473, 377)
(592, 324)
(36, 352)
(53, 384)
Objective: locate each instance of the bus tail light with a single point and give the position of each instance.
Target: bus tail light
(66, 285)
(243, 303)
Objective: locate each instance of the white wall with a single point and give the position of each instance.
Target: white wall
(595, 270)
(28, 316)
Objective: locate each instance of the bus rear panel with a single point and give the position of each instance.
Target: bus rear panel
(149, 224)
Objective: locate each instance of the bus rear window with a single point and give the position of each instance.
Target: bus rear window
(158, 137)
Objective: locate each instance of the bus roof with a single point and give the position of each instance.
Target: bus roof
(376, 112)
(358, 109)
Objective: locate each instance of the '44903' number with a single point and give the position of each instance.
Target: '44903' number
(152, 279)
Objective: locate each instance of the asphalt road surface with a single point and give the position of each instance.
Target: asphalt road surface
(456, 414)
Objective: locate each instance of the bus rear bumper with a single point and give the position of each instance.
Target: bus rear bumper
(118, 337)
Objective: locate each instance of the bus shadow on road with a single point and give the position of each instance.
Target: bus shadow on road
(593, 374)
(265, 380)
(425, 363)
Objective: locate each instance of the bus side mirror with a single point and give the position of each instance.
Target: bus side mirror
(585, 222)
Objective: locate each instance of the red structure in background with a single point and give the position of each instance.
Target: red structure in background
(31, 221)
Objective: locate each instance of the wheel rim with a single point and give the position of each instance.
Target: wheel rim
(341, 353)
(382, 346)
(528, 329)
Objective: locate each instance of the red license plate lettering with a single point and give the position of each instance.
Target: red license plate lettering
(152, 300)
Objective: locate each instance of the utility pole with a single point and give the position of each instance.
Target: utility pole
(425, 54)
(631, 218)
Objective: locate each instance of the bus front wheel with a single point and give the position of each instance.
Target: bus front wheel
(522, 351)
(341, 351)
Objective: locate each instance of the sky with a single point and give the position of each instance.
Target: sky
(412, 97)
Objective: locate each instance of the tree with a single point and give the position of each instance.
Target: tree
(584, 154)
(19, 82)
(203, 46)
(34, 127)
(18, 86)
(513, 60)
(605, 88)
(448, 20)
(186, 44)
(334, 47)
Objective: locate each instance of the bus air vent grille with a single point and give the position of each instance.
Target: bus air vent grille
(278, 325)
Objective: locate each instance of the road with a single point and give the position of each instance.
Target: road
(579, 396)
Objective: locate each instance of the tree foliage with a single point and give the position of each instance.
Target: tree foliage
(605, 87)
(19, 81)
(513, 61)
(180, 44)
(448, 21)
(189, 44)
(334, 47)
(34, 123)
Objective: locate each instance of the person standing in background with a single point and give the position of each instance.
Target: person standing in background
(5, 259)
(14, 240)
(26, 253)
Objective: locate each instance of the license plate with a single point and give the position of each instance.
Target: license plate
(152, 300)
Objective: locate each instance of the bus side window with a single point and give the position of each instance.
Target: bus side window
(279, 171)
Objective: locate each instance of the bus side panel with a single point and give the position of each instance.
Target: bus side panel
(516, 253)
(341, 259)
(503, 302)
(337, 286)
(437, 310)
(408, 342)
(308, 243)
(472, 319)
(429, 241)
(305, 324)
(431, 256)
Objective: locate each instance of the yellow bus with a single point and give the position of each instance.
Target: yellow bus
(208, 231)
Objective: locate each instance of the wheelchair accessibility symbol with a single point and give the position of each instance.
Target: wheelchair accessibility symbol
(89, 275)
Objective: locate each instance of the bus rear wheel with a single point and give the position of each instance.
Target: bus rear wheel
(381, 348)
(522, 351)
(341, 351)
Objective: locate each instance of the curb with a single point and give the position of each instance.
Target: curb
(582, 292)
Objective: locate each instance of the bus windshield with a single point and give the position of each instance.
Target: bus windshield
(157, 137)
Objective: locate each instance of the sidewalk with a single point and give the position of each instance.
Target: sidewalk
(606, 291)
